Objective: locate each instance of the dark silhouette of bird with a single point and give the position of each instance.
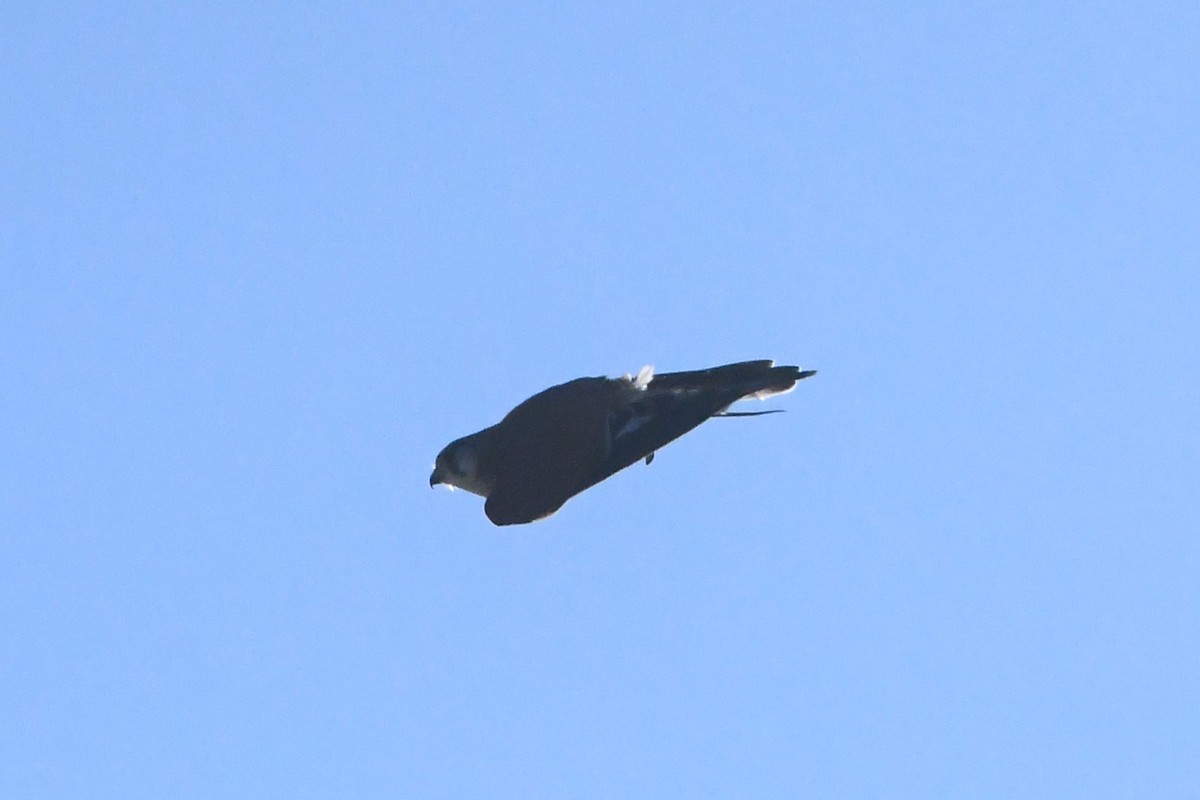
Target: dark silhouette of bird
(570, 437)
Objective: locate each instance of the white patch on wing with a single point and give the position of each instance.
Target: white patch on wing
(644, 376)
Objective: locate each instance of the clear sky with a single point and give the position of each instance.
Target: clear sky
(260, 262)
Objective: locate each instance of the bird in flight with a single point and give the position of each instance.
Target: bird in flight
(572, 436)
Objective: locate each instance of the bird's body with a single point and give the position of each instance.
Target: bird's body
(570, 437)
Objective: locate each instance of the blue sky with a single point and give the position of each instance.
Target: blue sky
(257, 266)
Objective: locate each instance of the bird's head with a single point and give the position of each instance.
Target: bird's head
(457, 466)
